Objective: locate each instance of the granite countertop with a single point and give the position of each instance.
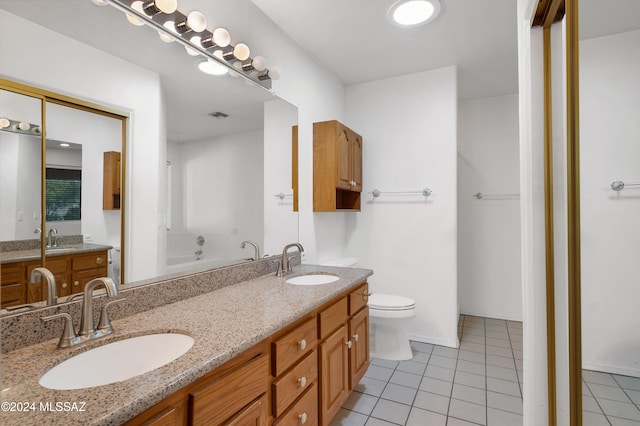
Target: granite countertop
(34, 254)
(223, 323)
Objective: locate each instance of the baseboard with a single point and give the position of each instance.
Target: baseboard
(451, 343)
(493, 316)
(611, 369)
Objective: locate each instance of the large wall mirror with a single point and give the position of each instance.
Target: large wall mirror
(198, 185)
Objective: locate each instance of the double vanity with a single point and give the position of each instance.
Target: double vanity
(257, 350)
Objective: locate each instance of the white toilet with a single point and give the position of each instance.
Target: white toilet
(388, 317)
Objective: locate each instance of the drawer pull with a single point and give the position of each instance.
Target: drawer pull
(76, 283)
(99, 260)
(355, 337)
(302, 418)
(365, 294)
(302, 345)
(349, 344)
(64, 285)
(302, 382)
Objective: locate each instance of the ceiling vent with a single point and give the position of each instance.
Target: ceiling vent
(218, 114)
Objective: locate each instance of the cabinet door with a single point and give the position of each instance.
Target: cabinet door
(13, 285)
(334, 363)
(356, 162)
(344, 161)
(253, 415)
(359, 352)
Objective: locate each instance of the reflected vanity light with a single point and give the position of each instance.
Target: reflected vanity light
(191, 31)
(16, 126)
(99, 2)
(4, 123)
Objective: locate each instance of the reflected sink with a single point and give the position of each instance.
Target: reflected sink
(51, 250)
(312, 279)
(117, 361)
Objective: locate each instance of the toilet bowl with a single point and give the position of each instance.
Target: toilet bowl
(388, 317)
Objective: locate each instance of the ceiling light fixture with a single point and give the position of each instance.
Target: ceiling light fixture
(411, 13)
(190, 31)
(64, 145)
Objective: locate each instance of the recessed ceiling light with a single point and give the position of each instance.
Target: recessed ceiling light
(64, 145)
(411, 13)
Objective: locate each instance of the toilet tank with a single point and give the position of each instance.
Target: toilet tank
(344, 262)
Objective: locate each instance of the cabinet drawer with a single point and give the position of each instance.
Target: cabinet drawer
(304, 412)
(11, 273)
(167, 417)
(80, 279)
(358, 299)
(290, 386)
(254, 415)
(57, 265)
(288, 349)
(87, 261)
(332, 317)
(217, 401)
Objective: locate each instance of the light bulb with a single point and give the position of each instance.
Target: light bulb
(241, 52)
(259, 63)
(4, 123)
(23, 125)
(274, 73)
(196, 21)
(221, 37)
(137, 6)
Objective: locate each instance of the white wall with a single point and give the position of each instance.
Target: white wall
(408, 125)
(226, 171)
(280, 221)
(610, 229)
(97, 134)
(489, 276)
(76, 69)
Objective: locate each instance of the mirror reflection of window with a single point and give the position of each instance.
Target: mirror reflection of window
(63, 194)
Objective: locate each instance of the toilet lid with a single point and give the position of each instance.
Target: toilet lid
(390, 302)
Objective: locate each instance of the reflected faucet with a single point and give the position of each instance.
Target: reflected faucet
(51, 240)
(284, 267)
(37, 274)
(256, 249)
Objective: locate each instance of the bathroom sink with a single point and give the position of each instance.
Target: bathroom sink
(312, 279)
(60, 249)
(117, 361)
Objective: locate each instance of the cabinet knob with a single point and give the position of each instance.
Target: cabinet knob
(349, 344)
(99, 260)
(302, 345)
(302, 382)
(64, 285)
(365, 294)
(76, 283)
(302, 418)
(355, 337)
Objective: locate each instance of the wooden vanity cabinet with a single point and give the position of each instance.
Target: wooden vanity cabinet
(343, 351)
(337, 167)
(111, 181)
(71, 271)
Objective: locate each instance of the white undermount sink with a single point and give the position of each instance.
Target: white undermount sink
(312, 279)
(117, 361)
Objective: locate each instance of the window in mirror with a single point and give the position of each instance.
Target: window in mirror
(63, 194)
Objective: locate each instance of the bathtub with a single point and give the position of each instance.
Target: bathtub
(187, 252)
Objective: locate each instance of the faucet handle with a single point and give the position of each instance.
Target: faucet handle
(68, 337)
(105, 324)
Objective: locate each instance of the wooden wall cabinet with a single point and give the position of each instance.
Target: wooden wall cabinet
(337, 167)
(111, 181)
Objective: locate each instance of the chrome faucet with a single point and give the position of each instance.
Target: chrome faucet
(51, 240)
(87, 326)
(256, 248)
(37, 274)
(86, 322)
(284, 267)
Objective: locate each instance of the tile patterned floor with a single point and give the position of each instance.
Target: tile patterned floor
(478, 384)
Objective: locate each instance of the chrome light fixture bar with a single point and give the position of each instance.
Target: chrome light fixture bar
(175, 26)
(22, 127)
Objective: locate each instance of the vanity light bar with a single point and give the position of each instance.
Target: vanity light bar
(231, 55)
(21, 127)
